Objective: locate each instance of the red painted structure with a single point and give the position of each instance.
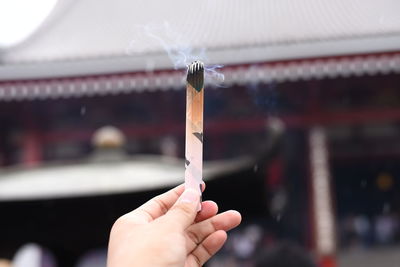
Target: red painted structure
(40, 118)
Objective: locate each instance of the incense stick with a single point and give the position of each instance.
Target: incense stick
(194, 126)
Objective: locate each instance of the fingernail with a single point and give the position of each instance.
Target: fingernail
(203, 185)
(189, 196)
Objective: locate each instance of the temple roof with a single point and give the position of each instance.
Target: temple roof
(89, 37)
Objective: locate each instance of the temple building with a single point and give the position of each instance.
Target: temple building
(329, 71)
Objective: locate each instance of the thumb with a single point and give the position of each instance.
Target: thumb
(185, 209)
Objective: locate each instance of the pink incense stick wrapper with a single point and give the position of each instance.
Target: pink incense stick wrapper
(194, 127)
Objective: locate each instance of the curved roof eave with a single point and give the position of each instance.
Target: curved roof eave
(228, 56)
(87, 37)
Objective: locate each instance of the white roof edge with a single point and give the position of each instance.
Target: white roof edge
(316, 68)
(230, 56)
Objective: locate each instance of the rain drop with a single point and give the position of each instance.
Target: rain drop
(255, 168)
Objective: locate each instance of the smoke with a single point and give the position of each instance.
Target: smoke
(179, 49)
(213, 76)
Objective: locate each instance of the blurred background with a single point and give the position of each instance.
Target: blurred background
(301, 125)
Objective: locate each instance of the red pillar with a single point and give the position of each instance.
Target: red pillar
(32, 150)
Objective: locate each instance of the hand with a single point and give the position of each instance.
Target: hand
(168, 231)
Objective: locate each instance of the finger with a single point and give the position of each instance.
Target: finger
(184, 211)
(207, 248)
(158, 205)
(208, 209)
(198, 232)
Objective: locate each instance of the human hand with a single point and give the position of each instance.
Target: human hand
(168, 231)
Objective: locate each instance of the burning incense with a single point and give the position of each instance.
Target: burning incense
(194, 126)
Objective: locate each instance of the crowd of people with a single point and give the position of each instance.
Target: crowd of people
(362, 231)
(253, 246)
(137, 234)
